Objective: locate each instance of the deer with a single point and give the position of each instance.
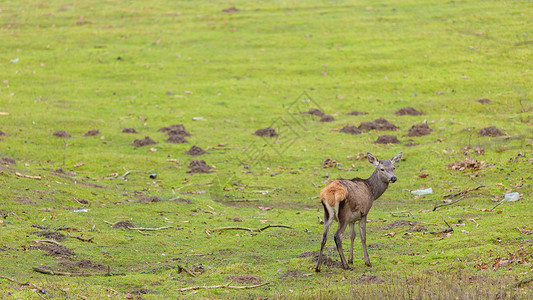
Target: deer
(349, 200)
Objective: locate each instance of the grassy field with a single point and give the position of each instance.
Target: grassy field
(225, 69)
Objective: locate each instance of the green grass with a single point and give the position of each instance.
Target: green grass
(111, 65)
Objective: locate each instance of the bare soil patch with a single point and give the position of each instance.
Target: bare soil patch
(25, 200)
(314, 112)
(123, 224)
(54, 250)
(53, 235)
(81, 264)
(91, 133)
(148, 199)
(411, 144)
(129, 130)
(179, 199)
(378, 124)
(176, 139)
(351, 130)
(369, 279)
(419, 130)
(143, 142)
(266, 132)
(246, 279)
(327, 118)
(356, 113)
(490, 131)
(408, 111)
(63, 172)
(4, 133)
(198, 166)
(231, 10)
(176, 129)
(484, 101)
(418, 228)
(387, 139)
(61, 134)
(195, 151)
(7, 161)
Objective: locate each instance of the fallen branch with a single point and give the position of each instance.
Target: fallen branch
(523, 281)
(83, 239)
(449, 229)
(403, 213)
(250, 229)
(446, 204)
(464, 192)
(27, 176)
(497, 204)
(149, 229)
(60, 273)
(49, 241)
(37, 289)
(182, 268)
(227, 286)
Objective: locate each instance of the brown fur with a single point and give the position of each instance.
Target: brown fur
(334, 192)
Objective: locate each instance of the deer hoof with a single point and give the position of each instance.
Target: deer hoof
(317, 270)
(368, 264)
(350, 261)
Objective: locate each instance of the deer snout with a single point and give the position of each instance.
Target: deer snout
(393, 179)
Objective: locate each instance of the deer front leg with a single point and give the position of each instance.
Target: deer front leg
(362, 232)
(352, 238)
(327, 225)
(338, 242)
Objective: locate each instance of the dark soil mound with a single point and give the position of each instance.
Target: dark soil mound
(82, 264)
(490, 131)
(418, 228)
(198, 166)
(143, 142)
(356, 113)
(231, 10)
(396, 224)
(176, 139)
(387, 139)
(484, 101)
(266, 132)
(351, 130)
(408, 111)
(123, 224)
(7, 161)
(61, 134)
(177, 129)
(148, 199)
(327, 118)
(179, 199)
(247, 279)
(53, 235)
(378, 124)
(315, 112)
(54, 250)
(4, 133)
(129, 130)
(142, 291)
(369, 279)
(91, 133)
(419, 130)
(326, 260)
(195, 151)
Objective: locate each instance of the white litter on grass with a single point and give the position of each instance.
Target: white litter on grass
(511, 197)
(422, 192)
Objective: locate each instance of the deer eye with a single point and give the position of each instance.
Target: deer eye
(382, 169)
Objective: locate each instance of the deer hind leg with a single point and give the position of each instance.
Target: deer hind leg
(338, 241)
(352, 238)
(328, 220)
(362, 233)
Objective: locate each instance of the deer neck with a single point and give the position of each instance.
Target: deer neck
(377, 187)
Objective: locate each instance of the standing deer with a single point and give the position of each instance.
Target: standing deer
(347, 201)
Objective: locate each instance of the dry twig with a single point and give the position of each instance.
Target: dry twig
(38, 290)
(449, 229)
(60, 273)
(250, 229)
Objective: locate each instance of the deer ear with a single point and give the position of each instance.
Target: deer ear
(396, 158)
(372, 159)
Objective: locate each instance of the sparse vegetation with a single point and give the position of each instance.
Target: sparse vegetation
(101, 100)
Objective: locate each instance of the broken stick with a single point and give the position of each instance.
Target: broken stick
(60, 273)
(250, 229)
(38, 290)
(227, 286)
(449, 229)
